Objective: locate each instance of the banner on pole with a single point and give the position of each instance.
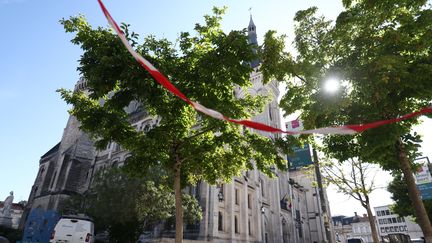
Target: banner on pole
(301, 158)
(423, 178)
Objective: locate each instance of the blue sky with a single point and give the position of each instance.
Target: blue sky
(36, 58)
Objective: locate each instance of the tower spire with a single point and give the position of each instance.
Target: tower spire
(252, 37)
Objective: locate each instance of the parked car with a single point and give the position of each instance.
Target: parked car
(396, 238)
(419, 240)
(73, 229)
(356, 240)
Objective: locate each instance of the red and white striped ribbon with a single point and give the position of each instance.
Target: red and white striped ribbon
(161, 79)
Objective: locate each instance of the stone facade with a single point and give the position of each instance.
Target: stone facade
(357, 227)
(307, 204)
(342, 227)
(362, 229)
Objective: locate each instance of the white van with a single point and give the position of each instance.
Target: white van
(419, 240)
(355, 240)
(73, 229)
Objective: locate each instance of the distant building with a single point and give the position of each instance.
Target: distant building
(17, 211)
(342, 227)
(361, 228)
(308, 214)
(391, 223)
(352, 227)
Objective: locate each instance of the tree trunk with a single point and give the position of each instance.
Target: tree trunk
(178, 203)
(372, 223)
(414, 194)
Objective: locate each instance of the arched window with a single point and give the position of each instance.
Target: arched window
(127, 159)
(115, 164)
(53, 179)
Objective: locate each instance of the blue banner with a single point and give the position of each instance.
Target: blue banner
(425, 191)
(301, 158)
(423, 178)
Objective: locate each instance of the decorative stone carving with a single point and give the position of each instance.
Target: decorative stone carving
(5, 213)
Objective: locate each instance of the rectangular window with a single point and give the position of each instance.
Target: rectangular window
(386, 229)
(262, 188)
(220, 222)
(379, 213)
(236, 196)
(249, 227)
(249, 201)
(382, 229)
(236, 228)
(399, 220)
(387, 212)
(270, 113)
(394, 220)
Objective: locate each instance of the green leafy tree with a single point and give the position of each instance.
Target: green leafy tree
(403, 205)
(353, 178)
(381, 53)
(189, 146)
(125, 206)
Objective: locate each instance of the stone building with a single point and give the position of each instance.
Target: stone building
(307, 208)
(356, 226)
(65, 169)
(362, 229)
(252, 208)
(342, 226)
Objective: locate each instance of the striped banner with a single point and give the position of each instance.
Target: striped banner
(161, 79)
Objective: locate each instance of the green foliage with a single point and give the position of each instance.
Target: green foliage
(13, 235)
(382, 54)
(351, 177)
(403, 205)
(207, 67)
(125, 205)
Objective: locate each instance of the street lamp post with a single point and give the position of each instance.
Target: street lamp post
(220, 196)
(322, 198)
